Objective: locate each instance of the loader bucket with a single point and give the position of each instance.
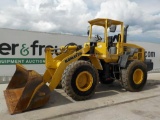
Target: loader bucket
(26, 91)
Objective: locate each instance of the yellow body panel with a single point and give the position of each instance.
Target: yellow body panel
(139, 55)
(101, 49)
(96, 63)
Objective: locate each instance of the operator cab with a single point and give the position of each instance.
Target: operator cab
(113, 34)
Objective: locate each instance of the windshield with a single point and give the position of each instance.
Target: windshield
(98, 30)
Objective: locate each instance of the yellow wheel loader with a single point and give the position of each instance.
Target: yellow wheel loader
(79, 69)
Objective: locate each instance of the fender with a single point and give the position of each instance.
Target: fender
(96, 63)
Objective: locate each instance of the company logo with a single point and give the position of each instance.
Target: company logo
(16, 50)
(72, 57)
(13, 61)
(24, 51)
(150, 54)
(11, 49)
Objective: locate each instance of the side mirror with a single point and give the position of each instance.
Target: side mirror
(113, 28)
(88, 31)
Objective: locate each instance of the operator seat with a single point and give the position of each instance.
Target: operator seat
(112, 41)
(117, 37)
(111, 46)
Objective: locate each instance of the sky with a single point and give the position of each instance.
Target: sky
(71, 16)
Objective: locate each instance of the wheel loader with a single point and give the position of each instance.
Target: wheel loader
(79, 69)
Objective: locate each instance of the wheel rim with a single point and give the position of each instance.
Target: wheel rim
(84, 81)
(138, 76)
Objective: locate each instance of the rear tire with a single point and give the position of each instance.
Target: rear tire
(134, 77)
(79, 80)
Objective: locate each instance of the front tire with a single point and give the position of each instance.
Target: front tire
(79, 80)
(134, 77)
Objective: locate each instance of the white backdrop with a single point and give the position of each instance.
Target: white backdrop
(25, 39)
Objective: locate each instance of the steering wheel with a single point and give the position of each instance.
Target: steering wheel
(99, 38)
